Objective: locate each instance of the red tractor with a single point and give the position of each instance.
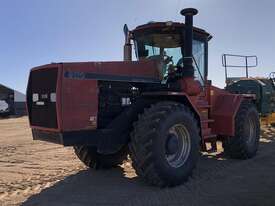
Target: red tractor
(160, 109)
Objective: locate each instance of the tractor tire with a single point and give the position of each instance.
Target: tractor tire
(164, 145)
(245, 143)
(91, 158)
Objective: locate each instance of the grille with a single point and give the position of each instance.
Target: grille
(41, 105)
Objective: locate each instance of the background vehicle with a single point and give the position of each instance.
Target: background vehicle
(260, 88)
(161, 109)
(4, 108)
(14, 100)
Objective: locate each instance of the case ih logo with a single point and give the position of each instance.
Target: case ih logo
(75, 75)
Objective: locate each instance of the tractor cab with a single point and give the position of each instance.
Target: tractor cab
(163, 42)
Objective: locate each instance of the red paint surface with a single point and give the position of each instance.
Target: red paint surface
(132, 69)
(80, 96)
(79, 104)
(191, 86)
(223, 107)
(77, 99)
(223, 111)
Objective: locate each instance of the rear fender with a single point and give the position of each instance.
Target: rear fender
(121, 127)
(224, 109)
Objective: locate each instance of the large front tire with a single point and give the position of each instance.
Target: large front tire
(245, 143)
(91, 158)
(164, 144)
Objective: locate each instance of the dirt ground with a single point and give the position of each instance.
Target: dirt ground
(39, 173)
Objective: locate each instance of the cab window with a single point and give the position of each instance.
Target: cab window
(160, 46)
(199, 56)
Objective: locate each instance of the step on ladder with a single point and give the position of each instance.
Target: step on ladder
(206, 131)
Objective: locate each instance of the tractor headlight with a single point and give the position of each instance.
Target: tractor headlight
(35, 97)
(53, 97)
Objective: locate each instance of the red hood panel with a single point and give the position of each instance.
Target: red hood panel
(147, 69)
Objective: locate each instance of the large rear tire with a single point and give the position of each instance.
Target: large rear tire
(245, 143)
(91, 158)
(164, 144)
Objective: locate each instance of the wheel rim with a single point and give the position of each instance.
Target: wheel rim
(178, 145)
(250, 130)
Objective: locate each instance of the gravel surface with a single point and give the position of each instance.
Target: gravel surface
(39, 173)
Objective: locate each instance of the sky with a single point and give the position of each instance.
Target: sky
(37, 32)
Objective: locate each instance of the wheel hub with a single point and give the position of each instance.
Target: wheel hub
(250, 129)
(178, 145)
(172, 145)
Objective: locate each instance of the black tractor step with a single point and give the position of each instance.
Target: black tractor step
(209, 136)
(206, 131)
(207, 120)
(204, 106)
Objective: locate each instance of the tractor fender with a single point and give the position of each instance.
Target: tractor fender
(121, 127)
(121, 134)
(223, 111)
(180, 97)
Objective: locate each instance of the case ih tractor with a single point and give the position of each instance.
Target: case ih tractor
(160, 109)
(260, 88)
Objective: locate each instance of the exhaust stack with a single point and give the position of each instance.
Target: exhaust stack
(188, 41)
(127, 49)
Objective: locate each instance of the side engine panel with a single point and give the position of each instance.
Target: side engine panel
(114, 98)
(79, 104)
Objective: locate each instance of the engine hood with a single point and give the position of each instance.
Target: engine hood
(136, 71)
(64, 96)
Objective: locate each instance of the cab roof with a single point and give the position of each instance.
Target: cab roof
(169, 25)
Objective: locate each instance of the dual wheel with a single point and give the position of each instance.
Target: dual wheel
(165, 143)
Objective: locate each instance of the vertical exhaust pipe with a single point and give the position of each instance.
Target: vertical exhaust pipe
(188, 41)
(127, 49)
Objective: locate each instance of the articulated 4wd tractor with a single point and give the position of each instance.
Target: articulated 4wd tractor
(160, 109)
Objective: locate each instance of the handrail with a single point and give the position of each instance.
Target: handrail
(246, 66)
(224, 62)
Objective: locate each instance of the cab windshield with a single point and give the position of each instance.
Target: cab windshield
(166, 48)
(159, 47)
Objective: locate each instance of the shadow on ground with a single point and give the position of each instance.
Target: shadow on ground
(7, 116)
(216, 181)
